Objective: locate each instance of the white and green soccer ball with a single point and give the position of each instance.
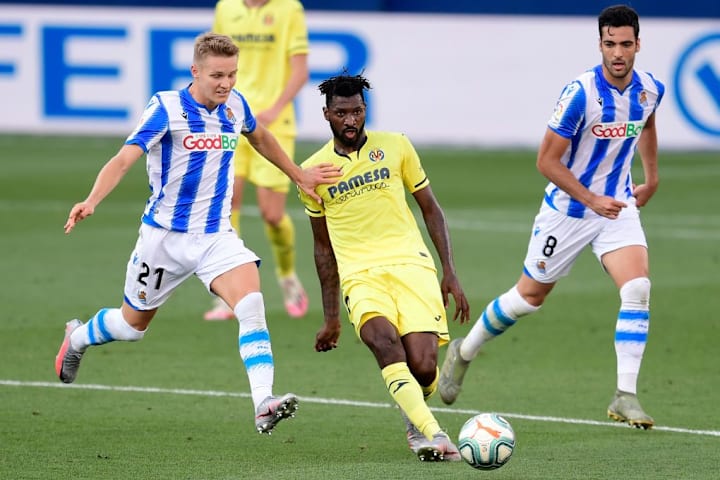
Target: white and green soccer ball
(486, 441)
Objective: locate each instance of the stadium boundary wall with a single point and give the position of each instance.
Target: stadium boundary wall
(469, 80)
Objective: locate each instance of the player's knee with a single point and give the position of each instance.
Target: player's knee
(423, 369)
(273, 217)
(636, 292)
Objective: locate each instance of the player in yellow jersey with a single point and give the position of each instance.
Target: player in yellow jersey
(368, 245)
(272, 68)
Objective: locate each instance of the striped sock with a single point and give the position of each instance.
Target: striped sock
(108, 325)
(631, 332)
(254, 345)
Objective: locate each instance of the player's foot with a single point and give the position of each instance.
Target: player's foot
(625, 407)
(294, 296)
(415, 437)
(273, 409)
(67, 360)
(440, 448)
(452, 373)
(219, 311)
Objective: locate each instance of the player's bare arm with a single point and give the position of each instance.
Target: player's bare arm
(299, 74)
(548, 163)
(267, 145)
(648, 149)
(326, 266)
(436, 225)
(105, 182)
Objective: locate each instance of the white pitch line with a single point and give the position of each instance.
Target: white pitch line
(336, 401)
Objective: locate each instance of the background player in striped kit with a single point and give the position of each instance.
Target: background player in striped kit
(189, 137)
(599, 121)
(272, 68)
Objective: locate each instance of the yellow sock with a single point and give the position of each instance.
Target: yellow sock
(282, 241)
(406, 392)
(235, 220)
(430, 389)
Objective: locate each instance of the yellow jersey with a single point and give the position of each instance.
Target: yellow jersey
(267, 37)
(368, 218)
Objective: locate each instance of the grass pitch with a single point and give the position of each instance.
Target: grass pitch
(176, 405)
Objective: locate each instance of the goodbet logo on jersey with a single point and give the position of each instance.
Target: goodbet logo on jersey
(210, 141)
(617, 129)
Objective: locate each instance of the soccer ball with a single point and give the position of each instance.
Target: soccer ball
(486, 441)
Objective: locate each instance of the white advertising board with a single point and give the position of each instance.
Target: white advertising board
(472, 80)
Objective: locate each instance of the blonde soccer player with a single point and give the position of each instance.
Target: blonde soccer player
(189, 138)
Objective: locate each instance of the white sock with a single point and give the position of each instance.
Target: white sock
(631, 332)
(498, 316)
(254, 344)
(106, 326)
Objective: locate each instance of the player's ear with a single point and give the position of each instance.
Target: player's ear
(194, 71)
(326, 113)
(637, 45)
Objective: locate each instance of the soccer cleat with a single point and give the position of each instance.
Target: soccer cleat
(415, 437)
(625, 407)
(67, 360)
(452, 373)
(220, 311)
(273, 409)
(439, 449)
(294, 296)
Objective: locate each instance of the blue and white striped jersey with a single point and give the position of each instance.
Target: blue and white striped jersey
(603, 125)
(190, 159)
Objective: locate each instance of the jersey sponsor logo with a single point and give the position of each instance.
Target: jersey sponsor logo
(207, 142)
(376, 155)
(254, 38)
(617, 129)
(356, 182)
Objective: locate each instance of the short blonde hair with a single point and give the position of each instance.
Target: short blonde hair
(209, 43)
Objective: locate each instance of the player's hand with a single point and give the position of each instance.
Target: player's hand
(450, 285)
(643, 193)
(606, 206)
(266, 117)
(322, 173)
(79, 212)
(328, 335)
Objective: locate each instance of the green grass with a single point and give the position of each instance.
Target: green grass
(176, 405)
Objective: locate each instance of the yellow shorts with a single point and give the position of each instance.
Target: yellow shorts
(259, 171)
(408, 296)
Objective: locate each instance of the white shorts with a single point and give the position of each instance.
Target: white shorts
(557, 240)
(162, 260)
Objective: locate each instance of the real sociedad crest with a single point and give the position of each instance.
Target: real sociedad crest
(376, 155)
(230, 115)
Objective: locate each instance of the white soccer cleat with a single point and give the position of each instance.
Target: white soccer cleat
(439, 449)
(452, 373)
(625, 407)
(273, 409)
(415, 437)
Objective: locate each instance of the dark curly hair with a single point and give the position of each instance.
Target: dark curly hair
(344, 85)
